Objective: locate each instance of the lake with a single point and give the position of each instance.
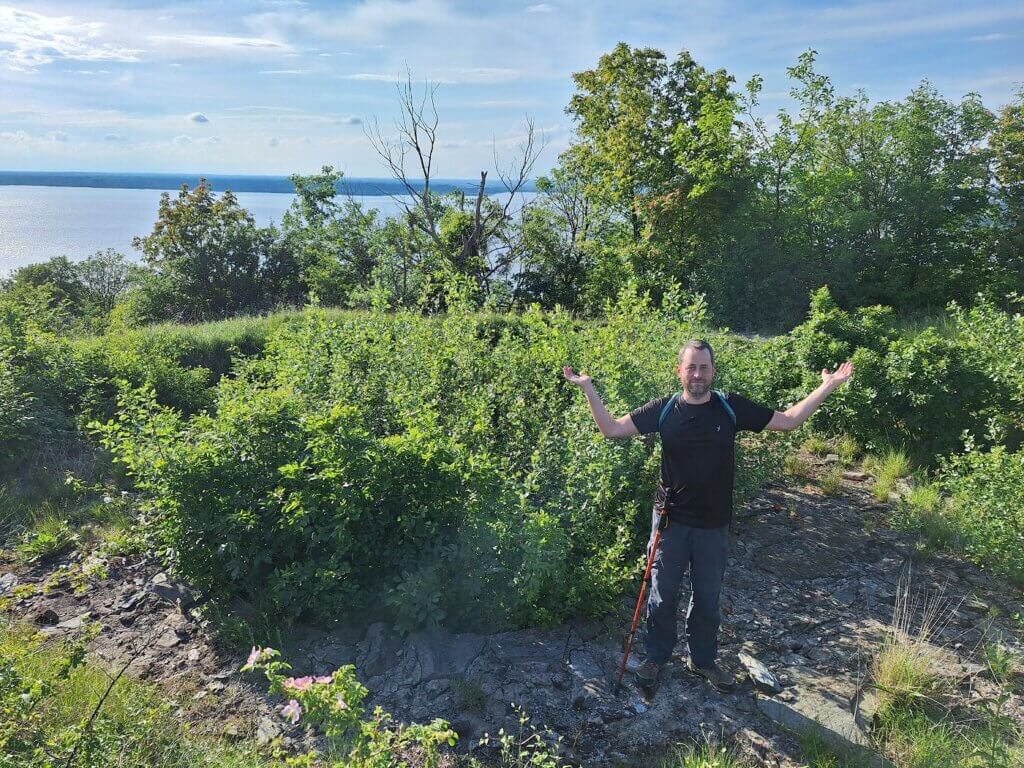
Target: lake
(40, 221)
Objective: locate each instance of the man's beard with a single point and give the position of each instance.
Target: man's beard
(698, 387)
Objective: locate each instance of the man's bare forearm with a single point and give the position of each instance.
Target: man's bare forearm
(802, 411)
(604, 420)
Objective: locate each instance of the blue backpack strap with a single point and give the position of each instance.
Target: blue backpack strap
(725, 404)
(667, 409)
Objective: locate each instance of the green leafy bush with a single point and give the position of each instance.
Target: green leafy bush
(986, 502)
(439, 466)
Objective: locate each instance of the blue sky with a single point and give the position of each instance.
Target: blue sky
(282, 86)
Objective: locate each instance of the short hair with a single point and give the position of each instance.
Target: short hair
(697, 344)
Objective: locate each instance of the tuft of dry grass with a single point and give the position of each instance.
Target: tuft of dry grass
(905, 670)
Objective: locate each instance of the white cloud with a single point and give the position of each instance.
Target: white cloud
(446, 76)
(209, 140)
(58, 136)
(989, 38)
(182, 140)
(223, 43)
(286, 72)
(29, 40)
(198, 117)
(372, 77)
(540, 8)
(349, 121)
(369, 21)
(114, 138)
(18, 136)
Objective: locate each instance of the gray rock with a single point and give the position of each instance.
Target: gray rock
(846, 596)
(855, 476)
(175, 594)
(46, 617)
(267, 731)
(529, 645)
(831, 458)
(132, 602)
(74, 623)
(762, 678)
(8, 582)
(813, 712)
(378, 651)
(441, 654)
(168, 639)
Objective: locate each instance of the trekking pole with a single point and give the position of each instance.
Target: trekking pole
(662, 524)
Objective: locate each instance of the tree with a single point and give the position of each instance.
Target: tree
(324, 244)
(205, 253)
(1007, 142)
(105, 276)
(470, 239)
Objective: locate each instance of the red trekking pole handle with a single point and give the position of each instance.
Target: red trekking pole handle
(662, 524)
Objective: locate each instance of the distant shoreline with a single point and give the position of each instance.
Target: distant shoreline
(357, 187)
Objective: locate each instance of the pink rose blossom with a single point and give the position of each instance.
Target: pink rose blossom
(297, 683)
(292, 711)
(323, 679)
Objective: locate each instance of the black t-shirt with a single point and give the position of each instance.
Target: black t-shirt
(697, 454)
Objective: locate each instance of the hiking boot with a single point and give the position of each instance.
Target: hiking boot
(717, 678)
(646, 674)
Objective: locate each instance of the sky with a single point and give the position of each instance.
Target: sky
(285, 86)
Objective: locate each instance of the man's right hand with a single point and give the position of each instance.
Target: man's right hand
(580, 380)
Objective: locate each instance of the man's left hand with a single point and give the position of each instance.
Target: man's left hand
(839, 376)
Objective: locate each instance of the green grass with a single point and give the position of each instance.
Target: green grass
(796, 466)
(47, 695)
(49, 536)
(705, 755)
(847, 448)
(831, 480)
(887, 469)
(1003, 664)
(818, 754)
(924, 498)
(816, 444)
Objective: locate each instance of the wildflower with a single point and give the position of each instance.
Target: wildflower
(342, 704)
(256, 655)
(297, 683)
(322, 679)
(107, 499)
(292, 711)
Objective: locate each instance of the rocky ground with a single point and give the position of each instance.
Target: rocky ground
(810, 590)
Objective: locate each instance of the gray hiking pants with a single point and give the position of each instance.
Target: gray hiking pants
(704, 552)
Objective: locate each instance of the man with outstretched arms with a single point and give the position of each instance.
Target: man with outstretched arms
(698, 428)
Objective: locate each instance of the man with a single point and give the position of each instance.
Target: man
(697, 467)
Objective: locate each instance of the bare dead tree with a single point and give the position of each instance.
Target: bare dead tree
(416, 129)
(413, 145)
(487, 225)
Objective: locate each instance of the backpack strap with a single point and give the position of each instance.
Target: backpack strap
(725, 404)
(672, 401)
(667, 409)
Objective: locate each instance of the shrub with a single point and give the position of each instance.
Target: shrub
(440, 466)
(986, 490)
(335, 703)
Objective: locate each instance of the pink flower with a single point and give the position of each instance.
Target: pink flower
(254, 656)
(297, 683)
(342, 704)
(323, 679)
(292, 711)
